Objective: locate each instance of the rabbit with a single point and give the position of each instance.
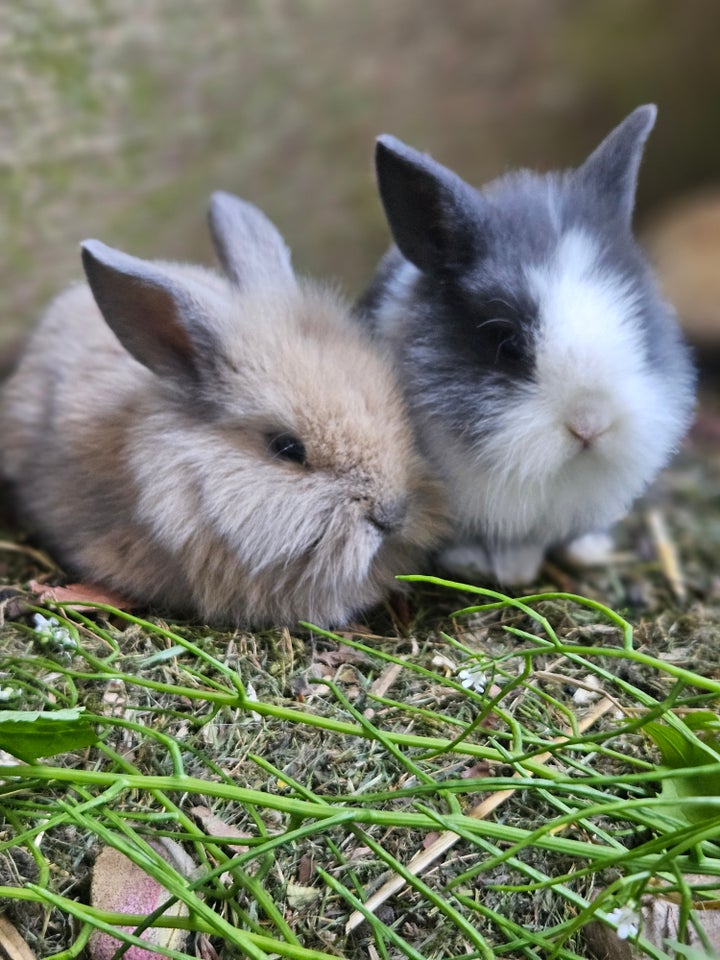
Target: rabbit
(229, 446)
(546, 375)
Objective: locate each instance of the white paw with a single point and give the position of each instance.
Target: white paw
(467, 560)
(517, 564)
(591, 550)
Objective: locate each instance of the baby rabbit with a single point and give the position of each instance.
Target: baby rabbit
(228, 446)
(546, 375)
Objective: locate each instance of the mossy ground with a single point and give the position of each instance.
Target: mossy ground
(156, 684)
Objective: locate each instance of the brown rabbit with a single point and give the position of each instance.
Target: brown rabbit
(230, 446)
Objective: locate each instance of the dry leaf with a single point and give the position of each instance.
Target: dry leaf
(429, 839)
(299, 897)
(217, 827)
(81, 595)
(12, 945)
(206, 951)
(477, 770)
(359, 853)
(340, 655)
(119, 886)
(306, 868)
(114, 699)
(301, 689)
(659, 922)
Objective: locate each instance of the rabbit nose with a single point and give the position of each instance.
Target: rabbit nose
(588, 427)
(389, 517)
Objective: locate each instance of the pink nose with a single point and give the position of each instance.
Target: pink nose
(586, 438)
(587, 429)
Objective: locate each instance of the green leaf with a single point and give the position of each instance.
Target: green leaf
(673, 746)
(681, 750)
(702, 720)
(696, 748)
(30, 734)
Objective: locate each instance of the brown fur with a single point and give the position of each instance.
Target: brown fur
(154, 475)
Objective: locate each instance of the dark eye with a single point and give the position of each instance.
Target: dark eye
(510, 349)
(287, 446)
(498, 340)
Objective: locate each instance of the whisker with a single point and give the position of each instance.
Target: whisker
(504, 320)
(503, 302)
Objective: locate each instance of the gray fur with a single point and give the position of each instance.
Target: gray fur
(456, 298)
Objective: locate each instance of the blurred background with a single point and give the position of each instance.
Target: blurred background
(119, 117)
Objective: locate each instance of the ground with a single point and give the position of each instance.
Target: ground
(380, 730)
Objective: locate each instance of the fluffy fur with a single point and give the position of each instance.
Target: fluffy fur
(546, 375)
(230, 446)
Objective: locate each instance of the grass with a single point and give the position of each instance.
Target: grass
(515, 774)
(323, 783)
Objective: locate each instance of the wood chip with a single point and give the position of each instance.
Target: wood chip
(666, 554)
(386, 679)
(12, 945)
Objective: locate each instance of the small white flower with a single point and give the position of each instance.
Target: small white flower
(473, 678)
(8, 693)
(49, 629)
(626, 920)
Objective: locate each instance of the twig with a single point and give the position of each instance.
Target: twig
(425, 858)
(667, 554)
(37, 555)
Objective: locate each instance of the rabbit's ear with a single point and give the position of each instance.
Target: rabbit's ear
(248, 244)
(433, 214)
(162, 320)
(611, 171)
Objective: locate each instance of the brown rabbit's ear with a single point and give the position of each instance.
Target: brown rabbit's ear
(248, 244)
(163, 321)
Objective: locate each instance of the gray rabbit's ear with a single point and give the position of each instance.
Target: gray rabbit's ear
(247, 243)
(433, 214)
(611, 171)
(163, 320)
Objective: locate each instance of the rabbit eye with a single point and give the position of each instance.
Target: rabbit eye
(510, 349)
(498, 340)
(287, 446)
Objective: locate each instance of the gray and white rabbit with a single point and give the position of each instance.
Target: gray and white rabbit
(225, 445)
(547, 377)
